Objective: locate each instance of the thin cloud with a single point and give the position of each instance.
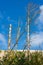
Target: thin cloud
(9, 19)
(36, 39)
(39, 20)
(1, 15)
(2, 41)
(41, 14)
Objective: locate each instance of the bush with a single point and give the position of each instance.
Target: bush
(19, 58)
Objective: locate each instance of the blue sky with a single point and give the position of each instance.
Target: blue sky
(12, 11)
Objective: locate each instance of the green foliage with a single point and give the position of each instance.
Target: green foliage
(20, 58)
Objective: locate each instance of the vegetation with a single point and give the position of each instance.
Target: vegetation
(20, 58)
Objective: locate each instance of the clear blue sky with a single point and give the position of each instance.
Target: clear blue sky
(10, 12)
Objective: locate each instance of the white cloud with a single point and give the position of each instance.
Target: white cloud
(2, 41)
(36, 39)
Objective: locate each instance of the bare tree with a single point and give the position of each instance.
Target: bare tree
(33, 12)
